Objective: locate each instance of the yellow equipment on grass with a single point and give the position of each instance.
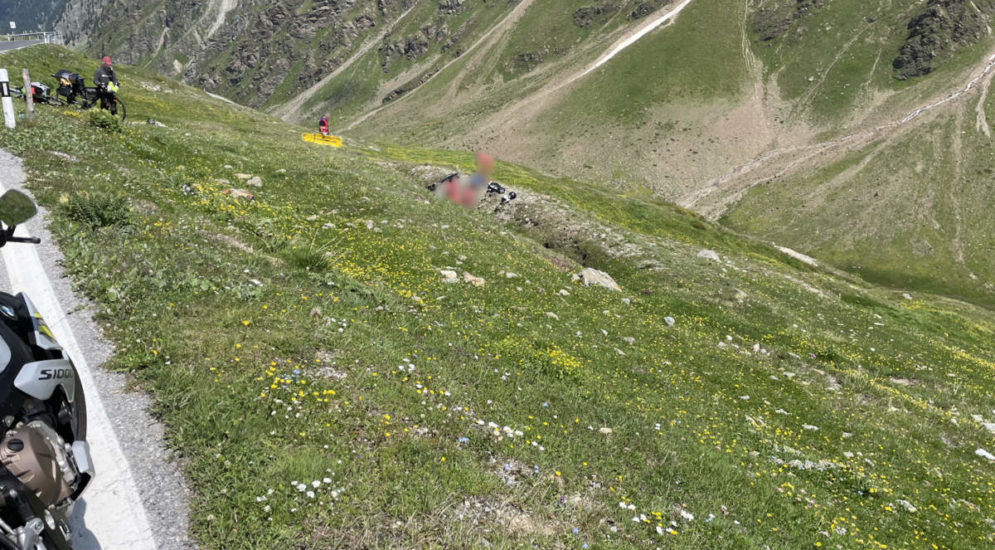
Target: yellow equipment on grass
(333, 141)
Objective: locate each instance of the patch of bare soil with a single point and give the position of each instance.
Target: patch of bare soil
(234, 243)
(511, 518)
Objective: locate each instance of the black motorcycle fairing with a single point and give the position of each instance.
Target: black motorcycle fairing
(11, 399)
(15, 314)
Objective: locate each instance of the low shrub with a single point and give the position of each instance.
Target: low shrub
(99, 118)
(96, 210)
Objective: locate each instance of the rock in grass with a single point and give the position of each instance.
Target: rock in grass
(908, 506)
(670, 321)
(449, 277)
(255, 182)
(64, 156)
(243, 177)
(606, 431)
(985, 454)
(239, 194)
(473, 280)
(709, 255)
(593, 277)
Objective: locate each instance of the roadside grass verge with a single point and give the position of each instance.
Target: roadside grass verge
(327, 389)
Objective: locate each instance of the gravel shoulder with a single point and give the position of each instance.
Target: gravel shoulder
(144, 465)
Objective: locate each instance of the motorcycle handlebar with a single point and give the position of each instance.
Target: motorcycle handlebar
(25, 240)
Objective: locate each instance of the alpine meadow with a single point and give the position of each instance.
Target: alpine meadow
(729, 285)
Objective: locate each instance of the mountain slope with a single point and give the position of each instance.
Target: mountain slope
(707, 109)
(328, 388)
(30, 15)
(741, 110)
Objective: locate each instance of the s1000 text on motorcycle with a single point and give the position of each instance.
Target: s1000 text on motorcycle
(44, 458)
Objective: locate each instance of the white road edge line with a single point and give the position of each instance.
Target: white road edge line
(115, 513)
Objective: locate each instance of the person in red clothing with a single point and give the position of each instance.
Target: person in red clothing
(476, 185)
(323, 125)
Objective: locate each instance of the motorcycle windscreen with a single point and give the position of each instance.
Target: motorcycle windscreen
(41, 335)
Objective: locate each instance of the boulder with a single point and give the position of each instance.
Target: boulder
(475, 281)
(593, 277)
(449, 276)
(240, 194)
(710, 255)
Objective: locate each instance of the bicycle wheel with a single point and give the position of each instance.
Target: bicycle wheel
(122, 111)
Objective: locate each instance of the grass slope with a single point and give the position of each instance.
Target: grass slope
(693, 102)
(327, 390)
(911, 209)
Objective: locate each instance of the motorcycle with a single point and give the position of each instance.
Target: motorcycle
(45, 461)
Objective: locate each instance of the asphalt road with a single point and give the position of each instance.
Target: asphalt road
(139, 499)
(17, 44)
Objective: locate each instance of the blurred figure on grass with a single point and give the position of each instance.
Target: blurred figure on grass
(468, 191)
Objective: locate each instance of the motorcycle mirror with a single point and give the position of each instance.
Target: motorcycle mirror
(16, 208)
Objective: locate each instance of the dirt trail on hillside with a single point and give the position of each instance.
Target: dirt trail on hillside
(293, 107)
(716, 196)
(632, 37)
(537, 101)
(224, 6)
(505, 24)
(502, 126)
(981, 123)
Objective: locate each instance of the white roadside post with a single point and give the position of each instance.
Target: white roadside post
(8, 103)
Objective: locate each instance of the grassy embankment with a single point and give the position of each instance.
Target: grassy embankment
(328, 390)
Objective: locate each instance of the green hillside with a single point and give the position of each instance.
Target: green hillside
(912, 209)
(327, 388)
(738, 110)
